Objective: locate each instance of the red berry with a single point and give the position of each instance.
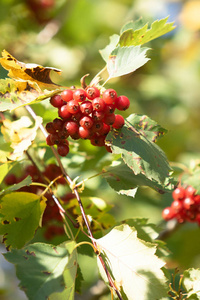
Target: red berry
(71, 127)
(50, 128)
(108, 148)
(62, 149)
(168, 213)
(98, 141)
(84, 133)
(57, 124)
(55, 139)
(104, 130)
(179, 193)
(67, 95)
(109, 96)
(86, 107)
(48, 140)
(190, 191)
(79, 95)
(64, 113)
(56, 101)
(10, 179)
(92, 92)
(122, 103)
(109, 119)
(76, 117)
(73, 106)
(119, 122)
(98, 104)
(86, 122)
(177, 206)
(98, 115)
(188, 202)
(109, 109)
(98, 126)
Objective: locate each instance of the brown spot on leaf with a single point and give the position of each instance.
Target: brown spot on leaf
(25, 257)
(30, 253)
(5, 222)
(46, 273)
(16, 219)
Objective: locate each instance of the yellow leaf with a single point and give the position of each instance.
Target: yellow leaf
(19, 134)
(28, 72)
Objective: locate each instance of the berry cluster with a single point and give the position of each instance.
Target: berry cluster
(52, 219)
(185, 207)
(85, 114)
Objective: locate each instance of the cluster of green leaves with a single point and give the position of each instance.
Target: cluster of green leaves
(133, 258)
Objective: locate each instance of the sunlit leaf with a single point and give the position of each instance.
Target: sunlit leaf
(135, 145)
(133, 265)
(26, 182)
(191, 283)
(17, 93)
(19, 134)
(134, 37)
(114, 39)
(46, 271)
(123, 180)
(21, 213)
(124, 60)
(28, 72)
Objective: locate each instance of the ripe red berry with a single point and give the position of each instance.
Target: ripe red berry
(67, 95)
(122, 103)
(104, 130)
(50, 127)
(177, 206)
(64, 113)
(109, 119)
(10, 179)
(86, 107)
(92, 92)
(190, 191)
(71, 127)
(84, 133)
(57, 124)
(73, 106)
(98, 141)
(188, 202)
(86, 122)
(79, 95)
(49, 141)
(119, 122)
(55, 139)
(98, 104)
(179, 193)
(56, 101)
(109, 96)
(109, 109)
(98, 115)
(168, 213)
(62, 149)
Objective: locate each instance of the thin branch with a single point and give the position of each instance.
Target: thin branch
(71, 183)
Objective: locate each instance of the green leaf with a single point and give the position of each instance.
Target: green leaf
(124, 60)
(114, 39)
(21, 213)
(134, 25)
(46, 271)
(122, 179)
(191, 283)
(133, 264)
(14, 93)
(26, 182)
(132, 37)
(134, 143)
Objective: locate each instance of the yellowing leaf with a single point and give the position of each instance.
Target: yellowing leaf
(133, 264)
(20, 217)
(28, 72)
(19, 134)
(16, 93)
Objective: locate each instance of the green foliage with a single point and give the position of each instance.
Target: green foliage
(20, 216)
(53, 267)
(191, 283)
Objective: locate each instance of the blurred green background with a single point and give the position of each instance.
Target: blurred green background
(68, 35)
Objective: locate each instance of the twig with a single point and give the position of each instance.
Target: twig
(70, 181)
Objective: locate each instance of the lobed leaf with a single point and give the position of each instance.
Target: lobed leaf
(20, 216)
(17, 93)
(130, 36)
(134, 143)
(26, 182)
(114, 39)
(46, 271)
(28, 72)
(124, 60)
(122, 179)
(133, 265)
